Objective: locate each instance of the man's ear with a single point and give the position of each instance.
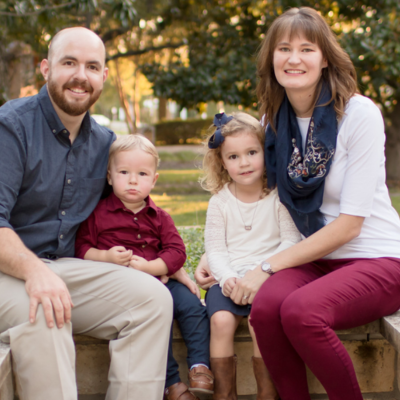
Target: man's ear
(105, 74)
(45, 68)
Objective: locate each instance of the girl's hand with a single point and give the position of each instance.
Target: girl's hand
(119, 255)
(246, 288)
(203, 274)
(228, 286)
(138, 263)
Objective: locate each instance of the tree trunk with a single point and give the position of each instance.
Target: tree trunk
(162, 108)
(123, 100)
(393, 146)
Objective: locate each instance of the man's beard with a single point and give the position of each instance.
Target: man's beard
(69, 107)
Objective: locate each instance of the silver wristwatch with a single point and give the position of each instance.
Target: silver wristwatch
(266, 267)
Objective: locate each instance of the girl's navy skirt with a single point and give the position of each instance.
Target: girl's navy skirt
(216, 301)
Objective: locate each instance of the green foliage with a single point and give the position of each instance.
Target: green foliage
(194, 242)
(223, 36)
(180, 132)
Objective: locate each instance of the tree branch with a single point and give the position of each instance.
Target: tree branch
(30, 14)
(146, 50)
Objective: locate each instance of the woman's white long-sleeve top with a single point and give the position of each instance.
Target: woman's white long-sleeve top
(231, 249)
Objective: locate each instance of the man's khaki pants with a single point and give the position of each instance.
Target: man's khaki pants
(130, 308)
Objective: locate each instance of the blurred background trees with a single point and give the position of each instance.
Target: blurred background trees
(198, 52)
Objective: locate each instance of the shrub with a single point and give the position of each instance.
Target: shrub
(194, 242)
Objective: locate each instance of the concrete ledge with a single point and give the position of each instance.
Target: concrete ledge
(6, 380)
(390, 329)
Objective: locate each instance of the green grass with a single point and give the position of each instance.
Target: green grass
(178, 181)
(184, 210)
(180, 156)
(396, 202)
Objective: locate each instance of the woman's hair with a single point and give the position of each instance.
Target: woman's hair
(131, 142)
(215, 175)
(340, 73)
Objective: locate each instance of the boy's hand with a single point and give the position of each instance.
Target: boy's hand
(119, 255)
(138, 263)
(182, 276)
(164, 279)
(228, 286)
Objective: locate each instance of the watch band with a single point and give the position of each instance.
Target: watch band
(266, 267)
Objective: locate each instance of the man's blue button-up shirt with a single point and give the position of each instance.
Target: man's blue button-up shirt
(48, 186)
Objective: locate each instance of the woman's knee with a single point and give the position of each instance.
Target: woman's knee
(299, 315)
(265, 308)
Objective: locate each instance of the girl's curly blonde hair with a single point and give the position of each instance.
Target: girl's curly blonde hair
(214, 173)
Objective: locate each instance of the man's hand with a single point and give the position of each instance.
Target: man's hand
(246, 288)
(228, 286)
(182, 276)
(138, 263)
(45, 287)
(119, 255)
(203, 274)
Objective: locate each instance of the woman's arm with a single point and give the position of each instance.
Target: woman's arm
(325, 241)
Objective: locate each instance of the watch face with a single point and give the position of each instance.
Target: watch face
(265, 266)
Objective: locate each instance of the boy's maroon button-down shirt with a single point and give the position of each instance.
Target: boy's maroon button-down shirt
(150, 233)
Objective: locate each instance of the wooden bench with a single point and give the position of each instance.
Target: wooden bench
(374, 349)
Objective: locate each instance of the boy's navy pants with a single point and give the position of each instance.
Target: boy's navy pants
(193, 322)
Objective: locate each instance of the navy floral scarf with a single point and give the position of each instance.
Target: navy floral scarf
(301, 180)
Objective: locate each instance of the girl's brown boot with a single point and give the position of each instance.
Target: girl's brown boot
(224, 370)
(265, 387)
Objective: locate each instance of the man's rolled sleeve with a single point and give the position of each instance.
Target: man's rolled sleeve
(173, 251)
(12, 161)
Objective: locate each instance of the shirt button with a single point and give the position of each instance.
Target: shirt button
(69, 181)
(61, 236)
(143, 245)
(54, 131)
(139, 236)
(135, 219)
(64, 131)
(63, 212)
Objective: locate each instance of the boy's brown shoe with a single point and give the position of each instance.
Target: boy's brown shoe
(201, 380)
(178, 391)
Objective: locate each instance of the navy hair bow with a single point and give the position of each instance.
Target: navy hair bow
(219, 121)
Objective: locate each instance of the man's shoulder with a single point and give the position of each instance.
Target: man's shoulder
(101, 131)
(17, 108)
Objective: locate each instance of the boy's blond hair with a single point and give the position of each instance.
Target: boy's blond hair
(130, 142)
(215, 175)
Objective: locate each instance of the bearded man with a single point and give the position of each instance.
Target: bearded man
(53, 164)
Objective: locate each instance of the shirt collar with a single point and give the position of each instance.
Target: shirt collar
(114, 204)
(53, 120)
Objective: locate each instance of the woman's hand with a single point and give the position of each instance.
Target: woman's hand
(203, 274)
(246, 288)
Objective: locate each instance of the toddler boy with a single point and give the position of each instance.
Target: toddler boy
(128, 229)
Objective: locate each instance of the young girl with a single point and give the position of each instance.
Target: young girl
(245, 225)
